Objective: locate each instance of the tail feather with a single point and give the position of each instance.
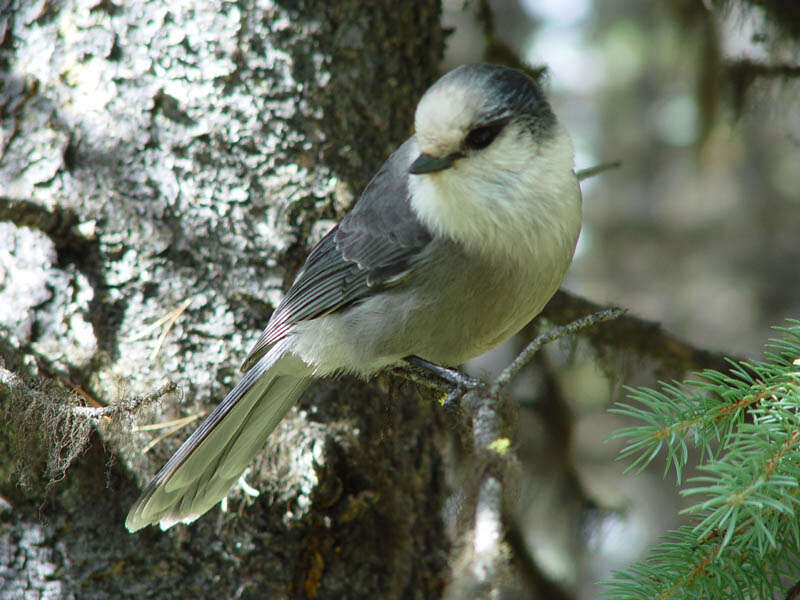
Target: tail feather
(264, 417)
(210, 461)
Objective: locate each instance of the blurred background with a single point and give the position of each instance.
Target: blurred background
(698, 230)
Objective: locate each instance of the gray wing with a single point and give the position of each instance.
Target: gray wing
(371, 248)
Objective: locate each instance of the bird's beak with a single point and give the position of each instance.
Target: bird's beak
(426, 163)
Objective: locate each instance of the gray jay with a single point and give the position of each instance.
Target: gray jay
(458, 241)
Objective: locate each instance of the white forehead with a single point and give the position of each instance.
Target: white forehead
(445, 114)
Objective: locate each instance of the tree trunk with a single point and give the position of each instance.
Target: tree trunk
(163, 171)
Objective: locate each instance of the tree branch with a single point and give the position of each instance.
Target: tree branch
(127, 405)
(524, 357)
(643, 338)
(488, 552)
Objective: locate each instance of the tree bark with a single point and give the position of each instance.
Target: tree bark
(163, 171)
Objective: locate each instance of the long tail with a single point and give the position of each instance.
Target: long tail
(210, 461)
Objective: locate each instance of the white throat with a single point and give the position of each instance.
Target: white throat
(522, 206)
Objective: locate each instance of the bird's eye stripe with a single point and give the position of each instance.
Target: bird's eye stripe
(481, 137)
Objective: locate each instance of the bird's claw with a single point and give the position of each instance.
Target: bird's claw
(462, 387)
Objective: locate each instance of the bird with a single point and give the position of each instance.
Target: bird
(457, 242)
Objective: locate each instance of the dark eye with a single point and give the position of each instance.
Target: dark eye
(480, 137)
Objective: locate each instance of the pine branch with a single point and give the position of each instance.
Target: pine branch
(744, 535)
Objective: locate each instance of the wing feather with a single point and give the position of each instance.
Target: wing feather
(373, 247)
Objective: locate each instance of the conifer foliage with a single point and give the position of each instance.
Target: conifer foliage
(742, 537)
